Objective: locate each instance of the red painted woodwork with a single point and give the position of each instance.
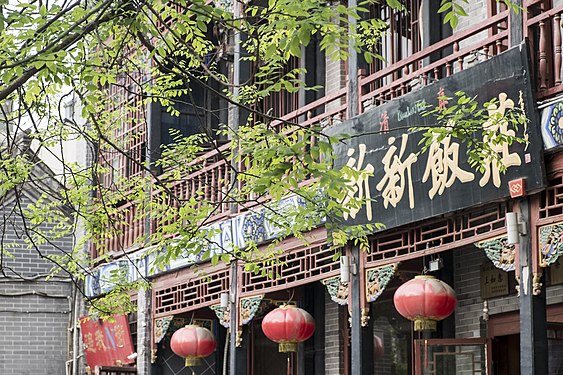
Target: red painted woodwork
(193, 342)
(425, 300)
(288, 325)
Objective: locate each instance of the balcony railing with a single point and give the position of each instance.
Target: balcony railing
(464, 48)
(543, 29)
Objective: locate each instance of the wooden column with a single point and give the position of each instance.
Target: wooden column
(533, 331)
(516, 25)
(353, 100)
(233, 325)
(145, 344)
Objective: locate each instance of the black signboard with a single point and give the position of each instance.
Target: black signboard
(407, 186)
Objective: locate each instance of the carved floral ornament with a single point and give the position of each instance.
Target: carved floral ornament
(337, 290)
(226, 5)
(161, 327)
(377, 280)
(223, 314)
(550, 238)
(248, 308)
(500, 252)
(170, 324)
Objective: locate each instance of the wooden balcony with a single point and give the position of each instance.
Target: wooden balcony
(543, 30)
(541, 25)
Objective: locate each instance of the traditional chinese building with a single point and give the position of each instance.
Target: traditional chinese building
(442, 216)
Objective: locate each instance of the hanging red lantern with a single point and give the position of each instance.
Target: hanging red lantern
(288, 325)
(193, 342)
(425, 300)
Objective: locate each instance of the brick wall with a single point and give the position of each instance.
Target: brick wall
(467, 262)
(333, 338)
(34, 313)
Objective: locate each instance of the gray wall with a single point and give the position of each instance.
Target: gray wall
(467, 263)
(334, 340)
(34, 313)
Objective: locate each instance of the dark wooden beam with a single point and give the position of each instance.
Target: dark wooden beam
(533, 330)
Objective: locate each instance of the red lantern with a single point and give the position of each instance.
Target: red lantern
(193, 342)
(425, 300)
(288, 325)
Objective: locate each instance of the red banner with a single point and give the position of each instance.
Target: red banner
(106, 343)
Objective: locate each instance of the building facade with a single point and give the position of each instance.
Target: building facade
(36, 308)
(441, 216)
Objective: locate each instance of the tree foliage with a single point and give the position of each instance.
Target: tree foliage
(106, 52)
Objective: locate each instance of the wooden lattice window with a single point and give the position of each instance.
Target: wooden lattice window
(198, 289)
(298, 265)
(437, 235)
(551, 199)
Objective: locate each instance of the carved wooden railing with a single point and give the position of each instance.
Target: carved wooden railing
(462, 49)
(122, 232)
(211, 181)
(543, 29)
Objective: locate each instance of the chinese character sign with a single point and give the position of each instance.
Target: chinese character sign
(106, 343)
(399, 184)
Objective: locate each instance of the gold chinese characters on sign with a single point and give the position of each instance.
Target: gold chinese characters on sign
(441, 170)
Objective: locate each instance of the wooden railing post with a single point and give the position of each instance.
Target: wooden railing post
(557, 42)
(361, 76)
(543, 56)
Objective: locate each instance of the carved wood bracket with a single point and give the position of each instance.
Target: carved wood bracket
(249, 306)
(377, 280)
(161, 326)
(500, 252)
(223, 314)
(550, 238)
(337, 290)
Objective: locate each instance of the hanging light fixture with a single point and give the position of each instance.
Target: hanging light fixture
(288, 325)
(425, 300)
(193, 343)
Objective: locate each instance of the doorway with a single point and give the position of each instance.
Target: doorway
(506, 355)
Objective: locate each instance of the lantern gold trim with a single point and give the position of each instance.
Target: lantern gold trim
(287, 347)
(192, 361)
(421, 324)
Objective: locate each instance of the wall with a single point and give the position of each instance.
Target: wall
(34, 313)
(334, 339)
(467, 262)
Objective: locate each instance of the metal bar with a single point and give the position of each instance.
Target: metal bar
(356, 347)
